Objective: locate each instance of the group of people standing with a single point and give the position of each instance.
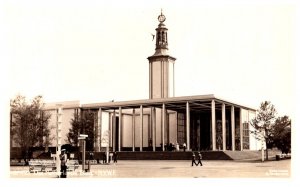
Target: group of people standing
(194, 158)
(113, 156)
(63, 161)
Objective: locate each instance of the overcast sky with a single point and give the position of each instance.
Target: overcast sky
(97, 51)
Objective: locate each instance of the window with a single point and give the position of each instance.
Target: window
(181, 129)
(245, 135)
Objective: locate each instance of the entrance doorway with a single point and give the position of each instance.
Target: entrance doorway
(116, 135)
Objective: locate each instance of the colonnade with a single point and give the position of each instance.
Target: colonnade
(153, 127)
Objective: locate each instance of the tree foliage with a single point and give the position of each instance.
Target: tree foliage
(275, 131)
(29, 127)
(82, 124)
(264, 122)
(281, 134)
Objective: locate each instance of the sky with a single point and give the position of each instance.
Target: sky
(96, 51)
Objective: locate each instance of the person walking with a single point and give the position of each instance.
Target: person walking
(63, 164)
(194, 159)
(199, 158)
(115, 157)
(184, 146)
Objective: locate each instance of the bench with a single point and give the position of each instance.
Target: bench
(283, 156)
(50, 165)
(41, 166)
(92, 162)
(72, 165)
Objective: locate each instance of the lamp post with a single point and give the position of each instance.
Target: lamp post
(82, 138)
(262, 145)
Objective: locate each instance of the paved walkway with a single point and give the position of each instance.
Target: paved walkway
(172, 169)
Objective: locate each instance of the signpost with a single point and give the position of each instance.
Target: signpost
(58, 135)
(82, 139)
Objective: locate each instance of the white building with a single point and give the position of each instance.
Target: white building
(203, 122)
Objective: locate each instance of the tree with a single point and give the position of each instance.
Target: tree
(29, 124)
(282, 134)
(82, 124)
(264, 122)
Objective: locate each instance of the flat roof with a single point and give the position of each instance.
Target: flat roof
(196, 102)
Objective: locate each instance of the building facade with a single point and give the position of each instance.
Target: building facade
(202, 122)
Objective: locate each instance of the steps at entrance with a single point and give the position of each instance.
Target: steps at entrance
(250, 155)
(172, 155)
(169, 155)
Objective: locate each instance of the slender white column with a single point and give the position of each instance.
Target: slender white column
(98, 147)
(141, 128)
(232, 129)
(120, 128)
(213, 124)
(154, 128)
(187, 126)
(224, 126)
(110, 130)
(133, 129)
(114, 131)
(163, 126)
(150, 127)
(150, 81)
(241, 130)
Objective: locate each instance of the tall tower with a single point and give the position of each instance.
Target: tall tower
(161, 65)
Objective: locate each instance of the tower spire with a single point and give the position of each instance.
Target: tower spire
(161, 65)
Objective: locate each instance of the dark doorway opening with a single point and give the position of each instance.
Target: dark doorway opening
(116, 135)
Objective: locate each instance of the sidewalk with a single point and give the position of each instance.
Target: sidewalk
(171, 169)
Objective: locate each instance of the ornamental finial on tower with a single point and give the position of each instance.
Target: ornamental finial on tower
(161, 17)
(161, 36)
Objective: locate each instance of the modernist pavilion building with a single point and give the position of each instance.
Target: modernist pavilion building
(202, 122)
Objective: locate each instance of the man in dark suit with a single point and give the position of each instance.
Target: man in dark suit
(194, 159)
(199, 158)
(63, 164)
(115, 155)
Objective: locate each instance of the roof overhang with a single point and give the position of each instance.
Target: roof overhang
(197, 102)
